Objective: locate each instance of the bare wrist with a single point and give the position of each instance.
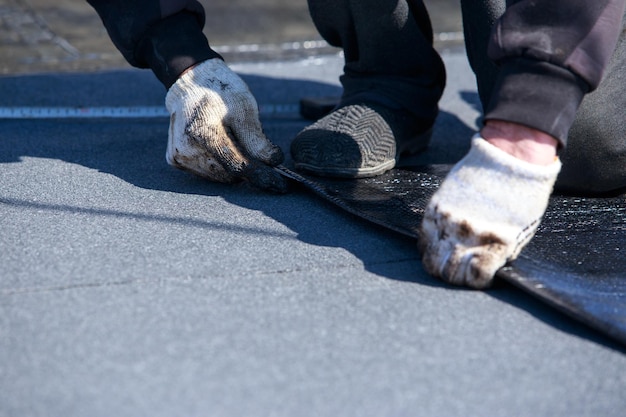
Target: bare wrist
(523, 142)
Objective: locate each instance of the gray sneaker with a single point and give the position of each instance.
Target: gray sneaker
(357, 141)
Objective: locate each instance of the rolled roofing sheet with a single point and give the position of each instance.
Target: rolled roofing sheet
(576, 262)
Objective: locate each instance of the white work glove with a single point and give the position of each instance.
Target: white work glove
(486, 210)
(215, 131)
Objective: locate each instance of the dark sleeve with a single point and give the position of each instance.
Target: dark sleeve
(163, 35)
(551, 53)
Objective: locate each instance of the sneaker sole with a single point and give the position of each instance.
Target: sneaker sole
(413, 146)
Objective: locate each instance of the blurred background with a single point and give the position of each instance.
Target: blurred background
(67, 35)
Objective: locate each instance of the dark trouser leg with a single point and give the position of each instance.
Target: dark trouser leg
(393, 80)
(478, 19)
(595, 156)
(388, 51)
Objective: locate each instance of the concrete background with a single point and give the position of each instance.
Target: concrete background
(67, 35)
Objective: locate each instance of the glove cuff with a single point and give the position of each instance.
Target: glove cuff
(189, 85)
(485, 156)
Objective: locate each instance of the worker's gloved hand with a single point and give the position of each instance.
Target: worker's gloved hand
(215, 131)
(486, 210)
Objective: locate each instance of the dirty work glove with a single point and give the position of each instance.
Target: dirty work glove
(486, 210)
(215, 131)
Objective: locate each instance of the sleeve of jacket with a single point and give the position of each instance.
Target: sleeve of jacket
(163, 35)
(551, 53)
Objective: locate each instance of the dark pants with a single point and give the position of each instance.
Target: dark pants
(388, 51)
